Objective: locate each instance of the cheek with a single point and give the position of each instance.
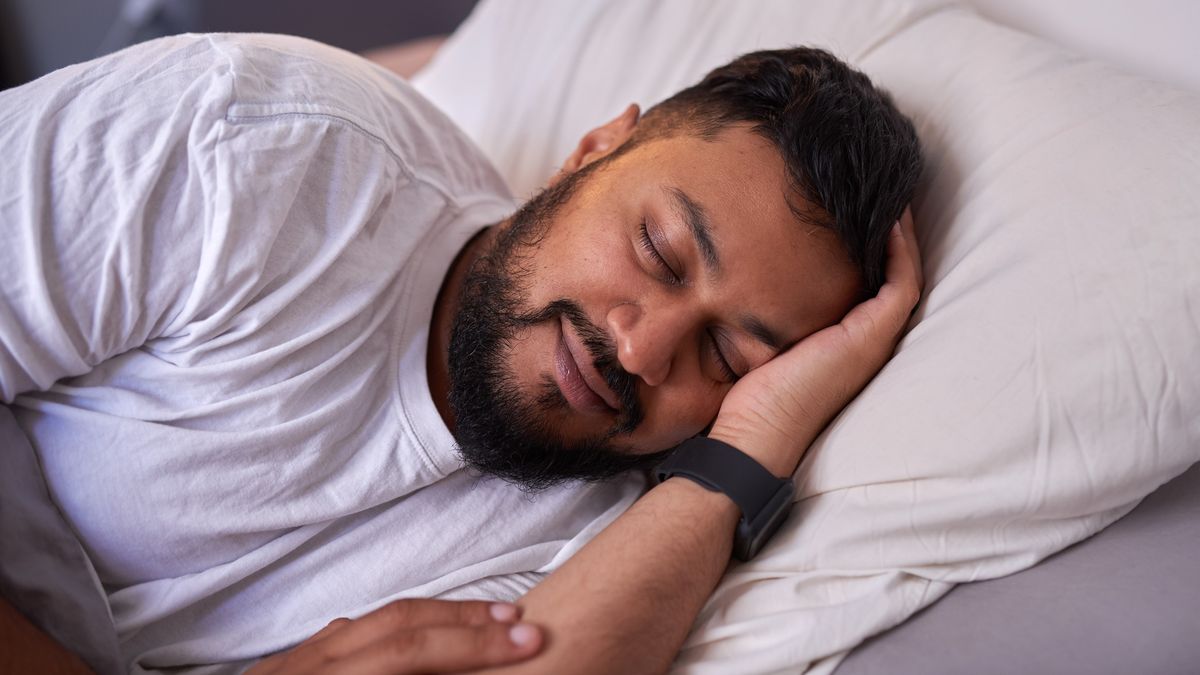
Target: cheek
(589, 265)
(677, 413)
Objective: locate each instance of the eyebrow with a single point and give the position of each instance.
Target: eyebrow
(701, 227)
(754, 326)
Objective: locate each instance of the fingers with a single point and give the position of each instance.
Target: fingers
(443, 649)
(902, 290)
(327, 630)
(881, 320)
(908, 230)
(410, 636)
(405, 615)
(903, 262)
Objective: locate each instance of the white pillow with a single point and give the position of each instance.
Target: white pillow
(526, 78)
(1052, 376)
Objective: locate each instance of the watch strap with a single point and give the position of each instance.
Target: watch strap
(763, 498)
(723, 468)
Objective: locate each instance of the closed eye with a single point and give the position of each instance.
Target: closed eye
(656, 258)
(714, 349)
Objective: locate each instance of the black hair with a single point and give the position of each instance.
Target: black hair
(848, 151)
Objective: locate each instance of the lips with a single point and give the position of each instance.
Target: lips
(580, 382)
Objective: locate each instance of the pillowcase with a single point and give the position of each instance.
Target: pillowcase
(525, 79)
(1051, 377)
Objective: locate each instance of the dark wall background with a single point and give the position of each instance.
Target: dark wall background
(38, 36)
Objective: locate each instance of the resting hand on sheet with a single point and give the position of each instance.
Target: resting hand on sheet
(776, 411)
(413, 636)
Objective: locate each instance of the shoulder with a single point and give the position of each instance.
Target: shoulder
(277, 77)
(198, 90)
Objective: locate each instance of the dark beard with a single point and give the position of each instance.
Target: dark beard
(500, 431)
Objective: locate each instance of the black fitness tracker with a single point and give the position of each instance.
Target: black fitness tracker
(764, 498)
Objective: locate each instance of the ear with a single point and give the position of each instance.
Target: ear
(600, 141)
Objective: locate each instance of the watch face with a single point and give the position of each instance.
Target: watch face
(752, 536)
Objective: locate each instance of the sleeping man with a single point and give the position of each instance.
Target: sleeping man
(291, 366)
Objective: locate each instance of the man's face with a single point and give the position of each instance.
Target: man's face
(626, 301)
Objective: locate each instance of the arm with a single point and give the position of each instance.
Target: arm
(625, 602)
(76, 285)
(96, 176)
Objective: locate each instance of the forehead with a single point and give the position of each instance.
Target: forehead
(795, 274)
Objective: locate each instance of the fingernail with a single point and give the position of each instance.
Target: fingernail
(504, 612)
(523, 634)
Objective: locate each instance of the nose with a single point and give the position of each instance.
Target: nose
(646, 340)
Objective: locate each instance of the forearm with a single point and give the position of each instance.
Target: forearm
(25, 649)
(625, 602)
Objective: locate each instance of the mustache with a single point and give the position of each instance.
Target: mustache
(603, 351)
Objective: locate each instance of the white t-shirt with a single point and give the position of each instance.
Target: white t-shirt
(220, 257)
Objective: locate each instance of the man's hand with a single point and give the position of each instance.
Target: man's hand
(413, 636)
(776, 411)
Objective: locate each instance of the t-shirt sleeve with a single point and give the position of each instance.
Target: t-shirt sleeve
(160, 199)
(102, 205)
(501, 587)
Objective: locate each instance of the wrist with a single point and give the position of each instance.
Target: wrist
(762, 498)
(711, 502)
(777, 455)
